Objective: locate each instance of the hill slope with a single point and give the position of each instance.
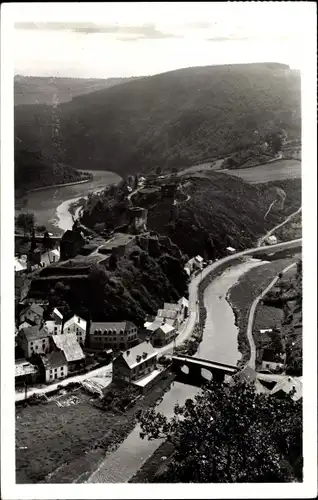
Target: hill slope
(48, 90)
(202, 214)
(32, 170)
(170, 119)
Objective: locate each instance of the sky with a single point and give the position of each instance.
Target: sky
(120, 40)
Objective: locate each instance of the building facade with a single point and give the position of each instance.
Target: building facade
(112, 335)
(53, 366)
(135, 363)
(34, 340)
(77, 326)
(163, 335)
(32, 313)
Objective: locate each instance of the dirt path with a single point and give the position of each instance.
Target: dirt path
(291, 216)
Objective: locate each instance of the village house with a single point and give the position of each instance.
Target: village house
(163, 335)
(25, 372)
(32, 313)
(135, 363)
(184, 305)
(71, 349)
(193, 264)
(48, 258)
(272, 361)
(34, 340)
(118, 336)
(53, 366)
(78, 326)
(170, 316)
(152, 326)
(54, 325)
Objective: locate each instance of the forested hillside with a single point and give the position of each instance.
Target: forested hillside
(171, 119)
(32, 170)
(203, 214)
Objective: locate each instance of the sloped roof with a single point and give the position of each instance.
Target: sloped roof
(183, 302)
(25, 324)
(167, 313)
(130, 356)
(35, 332)
(35, 308)
(171, 307)
(53, 359)
(69, 345)
(112, 325)
(23, 367)
(153, 325)
(58, 313)
(165, 328)
(287, 384)
(78, 322)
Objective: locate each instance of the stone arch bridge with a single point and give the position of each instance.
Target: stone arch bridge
(195, 366)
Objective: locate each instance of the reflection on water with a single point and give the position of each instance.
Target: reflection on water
(44, 204)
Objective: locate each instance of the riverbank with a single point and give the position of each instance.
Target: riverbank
(50, 206)
(245, 291)
(43, 188)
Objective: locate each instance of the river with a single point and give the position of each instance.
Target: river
(219, 344)
(50, 206)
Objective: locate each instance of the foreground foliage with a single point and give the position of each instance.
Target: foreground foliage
(228, 433)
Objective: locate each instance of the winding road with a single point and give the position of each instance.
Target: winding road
(249, 331)
(291, 216)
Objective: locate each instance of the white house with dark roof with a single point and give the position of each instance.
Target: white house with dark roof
(163, 335)
(32, 313)
(78, 326)
(34, 340)
(168, 314)
(118, 336)
(135, 363)
(73, 352)
(53, 366)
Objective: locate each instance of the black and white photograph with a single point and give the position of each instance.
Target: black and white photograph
(154, 199)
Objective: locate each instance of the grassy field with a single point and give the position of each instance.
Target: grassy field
(64, 444)
(246, 290)
(273, 171)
